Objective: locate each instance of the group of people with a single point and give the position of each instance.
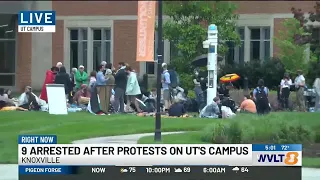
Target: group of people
(27, 101)
(258, 103)
(299, 86)
(126, 92)
(79, 85)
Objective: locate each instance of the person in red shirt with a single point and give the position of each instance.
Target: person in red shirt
(49, 79)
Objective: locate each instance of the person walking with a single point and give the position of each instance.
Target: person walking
(316, 86)
(300, 86)
(285, 85)
(260, 95)
(120, 88)
(132, 89)
(81, 77)
(165, 86)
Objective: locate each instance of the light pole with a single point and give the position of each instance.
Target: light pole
(212, 44)
(157, 132)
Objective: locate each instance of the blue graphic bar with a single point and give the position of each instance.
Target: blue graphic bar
(37, 139)
(276, 147)
(46, 169)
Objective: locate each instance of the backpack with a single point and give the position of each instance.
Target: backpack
(174, 79)
(261, 95)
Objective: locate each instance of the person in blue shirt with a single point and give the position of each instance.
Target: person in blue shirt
(100, 77)
(260, 95)
(165, 86)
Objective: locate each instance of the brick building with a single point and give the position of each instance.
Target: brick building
(89, 32)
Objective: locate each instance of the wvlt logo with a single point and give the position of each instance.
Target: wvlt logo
(290, 158)
(37, 21)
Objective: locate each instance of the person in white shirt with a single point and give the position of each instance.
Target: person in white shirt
(299, 83)
(316, 86)
(285, 85)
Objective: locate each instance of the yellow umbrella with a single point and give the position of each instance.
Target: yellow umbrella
(229, 78)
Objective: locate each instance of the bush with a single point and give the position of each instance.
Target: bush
(293, 134)
(271, 71)
(313, 71)
(216, 133)
(234, 133)
(260, 131)
(186, 81)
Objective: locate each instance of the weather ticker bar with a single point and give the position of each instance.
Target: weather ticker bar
(171, 173)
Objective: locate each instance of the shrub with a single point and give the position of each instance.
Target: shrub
(293, 134)
(262, 130)
(216, 133)
(316, 130)
(313, 71)
(186, 81)
(235, 132)
(271, 71)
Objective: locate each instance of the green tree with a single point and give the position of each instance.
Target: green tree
(187, 28)
(293, 54)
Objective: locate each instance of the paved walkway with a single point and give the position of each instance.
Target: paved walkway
(10, 171)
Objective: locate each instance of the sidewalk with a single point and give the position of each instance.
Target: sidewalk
(10, 171)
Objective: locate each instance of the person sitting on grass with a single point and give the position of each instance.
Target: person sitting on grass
(6, 98)
(28, 100)
(82, 96)
(177, 109)
(4, 107)
(211, 110)
(247, 105)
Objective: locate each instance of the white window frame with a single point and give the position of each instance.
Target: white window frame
(236, 57)
(261, 40)
(103, 42)
(80, 42)
(90, 24)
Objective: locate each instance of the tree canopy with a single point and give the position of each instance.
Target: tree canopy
(187, 28)
(294, 55)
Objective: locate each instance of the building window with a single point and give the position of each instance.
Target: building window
(101, 46)
(78, 47)
(7, 49)
(260, 43)
(150, 66)
(236, 53)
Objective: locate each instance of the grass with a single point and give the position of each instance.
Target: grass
(76, 126)
(308, 119)
(194, 138)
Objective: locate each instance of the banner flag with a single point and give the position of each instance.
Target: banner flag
(145, 31)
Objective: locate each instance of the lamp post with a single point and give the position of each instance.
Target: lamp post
(212, 43)
(157, 132)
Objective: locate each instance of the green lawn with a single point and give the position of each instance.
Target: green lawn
(76, 126)
(194, 138)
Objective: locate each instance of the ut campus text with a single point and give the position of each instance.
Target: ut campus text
(132, 150)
